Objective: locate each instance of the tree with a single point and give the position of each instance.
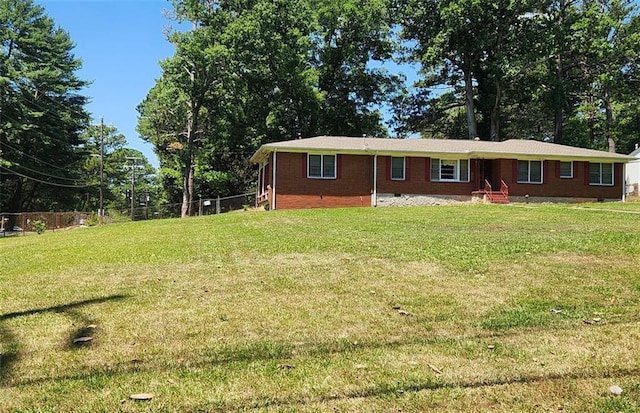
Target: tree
(192, 77)
(471, 48)
(109, 168)
(562, 70)
(608, 67)
(353, 41)
(278, 70)
(41, 111)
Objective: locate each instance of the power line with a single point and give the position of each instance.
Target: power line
(42, 173)
(5, 115)
(32, 157)
(42, 181)
(66, 95)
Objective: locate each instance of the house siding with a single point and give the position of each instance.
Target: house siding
(351, 188)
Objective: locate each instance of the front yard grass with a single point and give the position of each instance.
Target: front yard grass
(476, 308)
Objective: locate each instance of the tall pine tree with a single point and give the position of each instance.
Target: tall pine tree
(41, 111)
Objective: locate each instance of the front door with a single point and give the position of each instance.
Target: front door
(485, 172)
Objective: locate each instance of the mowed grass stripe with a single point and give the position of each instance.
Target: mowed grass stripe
(348, 309)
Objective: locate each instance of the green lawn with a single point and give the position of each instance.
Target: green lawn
(396, 309)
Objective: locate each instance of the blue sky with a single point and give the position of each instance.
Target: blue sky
(120, 43)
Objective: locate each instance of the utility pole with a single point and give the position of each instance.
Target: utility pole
(133, 160)
(101, 210)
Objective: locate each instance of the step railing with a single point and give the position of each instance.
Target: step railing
(488, 191)
(504, 189)
(491, 196)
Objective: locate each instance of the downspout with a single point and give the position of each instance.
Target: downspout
(624, 182)
(273, 183)
(374, 200)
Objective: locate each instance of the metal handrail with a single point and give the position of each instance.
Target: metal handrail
(504, 188)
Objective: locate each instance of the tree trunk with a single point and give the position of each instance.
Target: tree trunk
(469, 104)
(189, 167)
(186, 194)
(611, 143)
(495, 114)
(187, 187)
(559, 98)
(187, 171)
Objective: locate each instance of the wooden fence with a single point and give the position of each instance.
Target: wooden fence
(23, 222)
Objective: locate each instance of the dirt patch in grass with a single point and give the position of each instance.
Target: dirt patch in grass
(583, 260)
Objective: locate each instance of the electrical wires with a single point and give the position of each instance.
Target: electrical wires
(43, 181)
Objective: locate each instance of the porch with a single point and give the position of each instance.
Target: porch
(488, 179)
(489, 195)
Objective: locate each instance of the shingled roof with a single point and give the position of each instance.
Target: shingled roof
(439, 148)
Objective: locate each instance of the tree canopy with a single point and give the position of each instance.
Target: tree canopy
(558, 70)
(264, 71)
(51, 156)
(41, 111)
(255, 71)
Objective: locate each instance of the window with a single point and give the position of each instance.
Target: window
(448, 170)
(397, 168)
(321, 166)
(600, 174)
(566, 169)
(530, 172)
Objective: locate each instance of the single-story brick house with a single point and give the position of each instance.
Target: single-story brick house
(333, 171)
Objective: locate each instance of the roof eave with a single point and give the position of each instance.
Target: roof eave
(263, 152)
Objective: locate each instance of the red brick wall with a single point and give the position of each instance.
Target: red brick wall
(554, 186)
(352, 187)
(419, 180)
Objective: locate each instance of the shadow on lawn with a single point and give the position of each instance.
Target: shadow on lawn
(11, 355)
(278, 354)
(397, 389)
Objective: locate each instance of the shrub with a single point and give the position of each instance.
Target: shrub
(93, 220)
(40, 226)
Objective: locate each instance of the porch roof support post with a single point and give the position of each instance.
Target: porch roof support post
(374, 199)
(260, 183)
(273, 182)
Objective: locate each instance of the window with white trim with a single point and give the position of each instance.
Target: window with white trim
(566, 169)
(450, 170)
(601, 174)
(398, 168)
(321, 166)
(529, 172)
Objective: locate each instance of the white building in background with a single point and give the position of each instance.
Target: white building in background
(633, 173)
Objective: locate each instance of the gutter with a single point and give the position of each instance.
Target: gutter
(470, 154)
(624, 182)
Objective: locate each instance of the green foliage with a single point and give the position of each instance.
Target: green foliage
(562, 70)
(41, 111)
(115, 163)
(40, 226)
(260, 71)
(93, 220)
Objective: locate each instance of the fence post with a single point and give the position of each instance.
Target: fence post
(200, 207)
(218, 205)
